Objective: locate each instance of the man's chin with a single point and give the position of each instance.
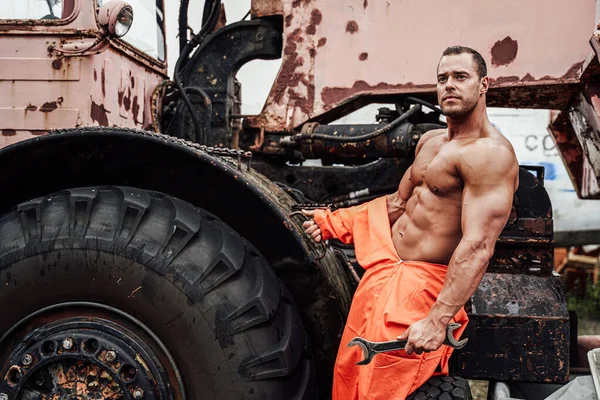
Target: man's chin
(453, 112)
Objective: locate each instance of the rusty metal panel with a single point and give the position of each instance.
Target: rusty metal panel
(262, 8)
(337, 51)
(576, 133)
(518, 330)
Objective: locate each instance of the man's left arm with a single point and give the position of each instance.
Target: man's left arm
(486, 204)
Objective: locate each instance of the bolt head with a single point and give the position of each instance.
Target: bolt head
(67, 344)
(111, 356)
(138, 393)
(27, 359)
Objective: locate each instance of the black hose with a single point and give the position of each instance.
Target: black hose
(366, 136)
(183, 19)
(207, 113)
(209, 23)
(185, 52)
(416, 100)
(186, 100)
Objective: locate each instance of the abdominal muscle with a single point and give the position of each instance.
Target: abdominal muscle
(430, 228)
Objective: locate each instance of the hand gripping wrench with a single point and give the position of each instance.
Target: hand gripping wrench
(372, 348)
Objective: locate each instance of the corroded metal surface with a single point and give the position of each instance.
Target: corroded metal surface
(576, 134)
(337, 51)
(518, 330)
(79, 380)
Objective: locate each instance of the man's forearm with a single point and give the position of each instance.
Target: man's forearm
(396, 207)
(465, 271)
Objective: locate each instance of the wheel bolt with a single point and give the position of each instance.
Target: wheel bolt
(67, 344)
(137, 393)
(27, 359)
(111, 356)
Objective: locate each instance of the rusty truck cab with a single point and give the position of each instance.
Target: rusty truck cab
(61, 69)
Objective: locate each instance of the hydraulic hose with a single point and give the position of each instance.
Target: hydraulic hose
(209, 24)
(366, 136)
(183, 19)
(416, 100)
(207, 113)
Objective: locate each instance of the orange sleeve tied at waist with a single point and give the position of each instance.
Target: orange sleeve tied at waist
(392, 295)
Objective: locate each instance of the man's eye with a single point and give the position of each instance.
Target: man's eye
(441, 80)
(462, 77)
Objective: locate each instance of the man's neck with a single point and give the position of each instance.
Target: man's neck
(470, 125)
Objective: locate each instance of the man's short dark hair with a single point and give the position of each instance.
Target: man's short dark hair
(479, 61)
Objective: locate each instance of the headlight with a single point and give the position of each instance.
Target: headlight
(115, 17)
(124, 21)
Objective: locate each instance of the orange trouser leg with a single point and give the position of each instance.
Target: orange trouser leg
(390, 298)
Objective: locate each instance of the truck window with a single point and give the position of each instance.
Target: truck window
(146, 33)
(36, 9)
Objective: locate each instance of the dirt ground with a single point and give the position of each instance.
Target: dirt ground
(479, 389)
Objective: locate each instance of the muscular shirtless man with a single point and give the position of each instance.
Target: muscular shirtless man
(450, 208)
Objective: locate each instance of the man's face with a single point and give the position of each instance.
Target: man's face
(458, 84)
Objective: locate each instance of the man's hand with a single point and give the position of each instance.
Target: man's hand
(423, 335)
(310, 227)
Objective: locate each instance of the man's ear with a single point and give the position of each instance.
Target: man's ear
(485, 85)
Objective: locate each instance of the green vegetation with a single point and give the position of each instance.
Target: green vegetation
(588, 306)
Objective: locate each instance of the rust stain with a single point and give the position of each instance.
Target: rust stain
(99, 114)
(288, 20)
(504, 51)
(571, 75)
(49, 106)
(60, 100)
(296, 3)
(363, 56)
(365, 3)
(120, 98)
(288, 77)
(57, 64)
(352, 27)
(8, 132)
(333, 95)
(103, 80)
(95, 75)
(132, 83)
(315, 19)
(135, 109)
(321, 42)
(31, 107)
(127, 100)
(573, 72)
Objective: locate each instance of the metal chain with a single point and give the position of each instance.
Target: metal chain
(218, 151)
(313, 206)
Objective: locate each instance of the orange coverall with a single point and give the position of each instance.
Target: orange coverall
(392, 295)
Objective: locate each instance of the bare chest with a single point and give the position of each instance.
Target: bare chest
(436, 168)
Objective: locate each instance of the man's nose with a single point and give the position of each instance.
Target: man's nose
(450, 84)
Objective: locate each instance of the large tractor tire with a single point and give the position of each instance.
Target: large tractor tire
(121, 293)
(443, 388)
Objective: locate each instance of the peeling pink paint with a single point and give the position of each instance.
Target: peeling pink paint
(531, 63)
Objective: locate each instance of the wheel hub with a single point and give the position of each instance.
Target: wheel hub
(83, 358)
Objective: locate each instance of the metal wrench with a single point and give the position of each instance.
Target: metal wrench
(372, 348)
